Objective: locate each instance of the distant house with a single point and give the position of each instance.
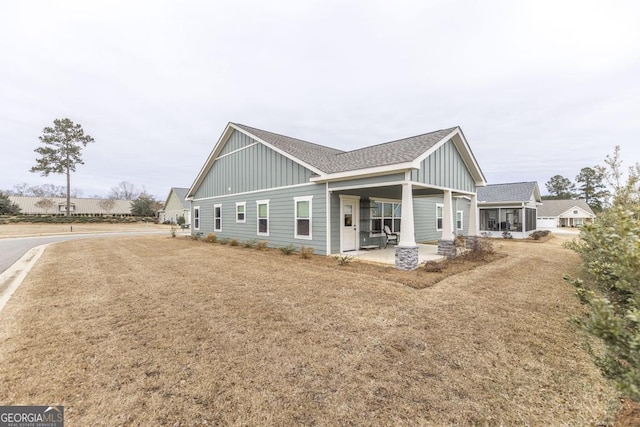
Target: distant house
(78, 207)
(510, 208)
(175, 206)
(564, 213)
(261, 185)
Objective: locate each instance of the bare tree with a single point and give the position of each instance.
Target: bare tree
(107, 205)
(45, 204)
(124, 191)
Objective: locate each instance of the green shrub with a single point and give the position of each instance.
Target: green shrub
(610, 252)
(250, 243)
(287, 250)
(211, 238)
(305, 252)
(343, 259)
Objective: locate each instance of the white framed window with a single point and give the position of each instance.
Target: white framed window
(241, 212)
(196, 217)
(385, 214)
(575, 211)
(439, 211)
(217, 217)
(263, 217)
(302, 217)
(459, 224)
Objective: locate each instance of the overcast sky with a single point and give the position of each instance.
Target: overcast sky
(538, 87)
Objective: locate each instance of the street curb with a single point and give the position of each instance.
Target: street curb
(13, 276)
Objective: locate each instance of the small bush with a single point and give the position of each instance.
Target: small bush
(196, 236)
(479, 248)
(249, 243)
(224, 240)
(287, 250)
(305, 252)
(435, 266)
(539, 234)
(173, 231)
(234, 242)
(211, 238)
(343, 259)
(261, 245)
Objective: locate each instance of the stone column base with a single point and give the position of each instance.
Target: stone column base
(406, 257)
(447, 248)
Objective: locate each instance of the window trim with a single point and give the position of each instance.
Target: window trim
(244, 213)
(295, 217)
(196, 218)
(461, 213)
(258, 203)
(394, 203)
(440, 206)
(219, 205)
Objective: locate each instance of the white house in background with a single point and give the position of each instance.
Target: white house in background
(175, 206)
(508, 208)
(564, 213)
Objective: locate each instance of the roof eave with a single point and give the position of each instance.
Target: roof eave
(362, 173)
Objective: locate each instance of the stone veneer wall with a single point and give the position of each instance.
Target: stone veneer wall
(406, 258)
(447, 248)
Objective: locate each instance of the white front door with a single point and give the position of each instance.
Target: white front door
(349, 224)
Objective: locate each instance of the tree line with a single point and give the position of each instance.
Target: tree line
(594, 184)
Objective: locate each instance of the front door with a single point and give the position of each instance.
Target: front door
(349, 220)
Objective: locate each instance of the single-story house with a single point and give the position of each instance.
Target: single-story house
(564, 213)
(261, 185)
(175, 206)
(30, 205)
(508, 209)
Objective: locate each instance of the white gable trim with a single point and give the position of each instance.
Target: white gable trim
(213, 156)
(461, 144)
(364, 173)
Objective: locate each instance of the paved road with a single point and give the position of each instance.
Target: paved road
(12, 249)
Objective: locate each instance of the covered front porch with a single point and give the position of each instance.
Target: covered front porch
(361, 215)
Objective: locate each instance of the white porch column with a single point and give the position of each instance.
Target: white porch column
(407, 250)
(407, 227)
(447, 217)
(473, 216)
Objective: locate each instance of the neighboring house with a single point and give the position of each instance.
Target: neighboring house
(175, 206)
(78, 207)
(508, 208)
(564, 213)
(261, 185)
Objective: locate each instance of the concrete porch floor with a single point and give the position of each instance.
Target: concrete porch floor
(388, 255)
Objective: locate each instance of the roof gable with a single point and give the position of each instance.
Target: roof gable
(330, 163)
(180, 194)
(513, 192)
(559, 207)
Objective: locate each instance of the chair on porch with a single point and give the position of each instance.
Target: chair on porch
(389, 236)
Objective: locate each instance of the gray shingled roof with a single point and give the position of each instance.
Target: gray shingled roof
(558, 207)
(330, 160)
(510, 192)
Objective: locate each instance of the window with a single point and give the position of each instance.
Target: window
(302, 217)
(196, 217)
(575, 211)
(263, 217)
(241, 208)
(385, 213)
(459, 220)
(217, 217)
(439, 211)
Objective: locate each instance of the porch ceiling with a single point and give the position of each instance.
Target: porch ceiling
(389, 192)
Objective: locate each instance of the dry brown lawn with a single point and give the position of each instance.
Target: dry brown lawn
(161, 331)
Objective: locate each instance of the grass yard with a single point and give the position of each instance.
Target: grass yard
(160, 331)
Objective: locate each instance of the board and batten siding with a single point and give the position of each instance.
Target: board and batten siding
(371, 181)
(281, 216)
(250, 167)
(445, 168)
